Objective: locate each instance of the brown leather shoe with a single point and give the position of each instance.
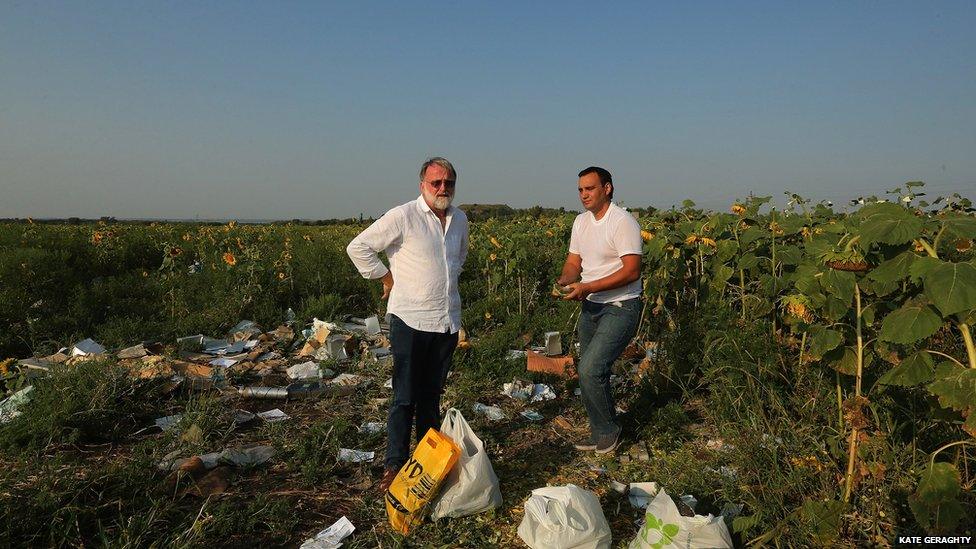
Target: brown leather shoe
(387, 479)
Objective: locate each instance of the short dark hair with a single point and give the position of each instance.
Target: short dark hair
(603, 174)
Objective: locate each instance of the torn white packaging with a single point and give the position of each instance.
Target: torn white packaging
(86, 347)
(518, 389)
(540, 392)
(223, 362)
(640, 494)
(331, 537)
(273, 415)
(493, 413)
(373, 325)
(347, 379)
(305, 370)
(554, 344)
(355, 456)
(10, 406)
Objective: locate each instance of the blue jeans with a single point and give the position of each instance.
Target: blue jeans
(605, 330)
(421, 361)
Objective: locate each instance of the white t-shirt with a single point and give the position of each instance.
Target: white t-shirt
(601, 244)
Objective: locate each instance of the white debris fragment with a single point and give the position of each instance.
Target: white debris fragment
(355, 456)
(640, 494)
(305, 370)
(347, 379)
(331, 537)
(493, 413)
(273, 415)
(541, 391)
(86, 347)
(10, 406)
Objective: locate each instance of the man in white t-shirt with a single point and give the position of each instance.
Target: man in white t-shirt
(602, 270)
(426, 241)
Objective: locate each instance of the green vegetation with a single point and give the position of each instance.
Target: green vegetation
(816, 367)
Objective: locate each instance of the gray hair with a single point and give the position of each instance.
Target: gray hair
(440, 161)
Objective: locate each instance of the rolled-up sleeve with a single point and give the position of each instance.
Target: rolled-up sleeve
(364, 249)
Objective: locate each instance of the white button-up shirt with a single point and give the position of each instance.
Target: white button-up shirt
(425, 260)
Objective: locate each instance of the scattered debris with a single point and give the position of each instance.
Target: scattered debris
(378, 353)
(10, 406)
(532, 415)
(372, 428)
(242, 417)
(247, 457)
(518, 389)
(355, 456)
(245, 329)
(168, 422)
(140, 350)
(350, 380)
(562, 423)
(305, 370)
(87, 347)
(553, 345)
(640, 494)
(493, 413)
(273, 415)
(373, 325)
(263, 392)
(215, 482)
(331, 537)
(526, 390)
(559, 365)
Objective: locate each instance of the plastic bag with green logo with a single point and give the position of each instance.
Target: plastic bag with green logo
(665, 528)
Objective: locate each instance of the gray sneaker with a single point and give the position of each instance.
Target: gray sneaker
(586, 446)
(608, 445)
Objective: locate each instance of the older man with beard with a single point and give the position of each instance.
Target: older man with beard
(426, 241)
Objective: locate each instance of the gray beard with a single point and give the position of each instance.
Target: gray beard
(442, 202)
(439, 202)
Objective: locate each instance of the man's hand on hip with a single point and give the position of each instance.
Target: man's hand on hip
(387, 281)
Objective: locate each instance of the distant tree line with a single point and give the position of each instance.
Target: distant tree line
(475, 212)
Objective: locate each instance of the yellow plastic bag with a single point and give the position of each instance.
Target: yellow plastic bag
(419, 479)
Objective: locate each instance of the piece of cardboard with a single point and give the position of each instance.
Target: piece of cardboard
(559, 365)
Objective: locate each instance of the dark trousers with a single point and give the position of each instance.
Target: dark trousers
(421, 361)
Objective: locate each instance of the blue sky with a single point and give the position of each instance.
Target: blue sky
(315, 110)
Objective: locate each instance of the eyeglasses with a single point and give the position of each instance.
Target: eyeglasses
(446, 183)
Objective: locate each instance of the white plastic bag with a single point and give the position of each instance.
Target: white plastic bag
(564, 517)
(472, 486)
(664, 527)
